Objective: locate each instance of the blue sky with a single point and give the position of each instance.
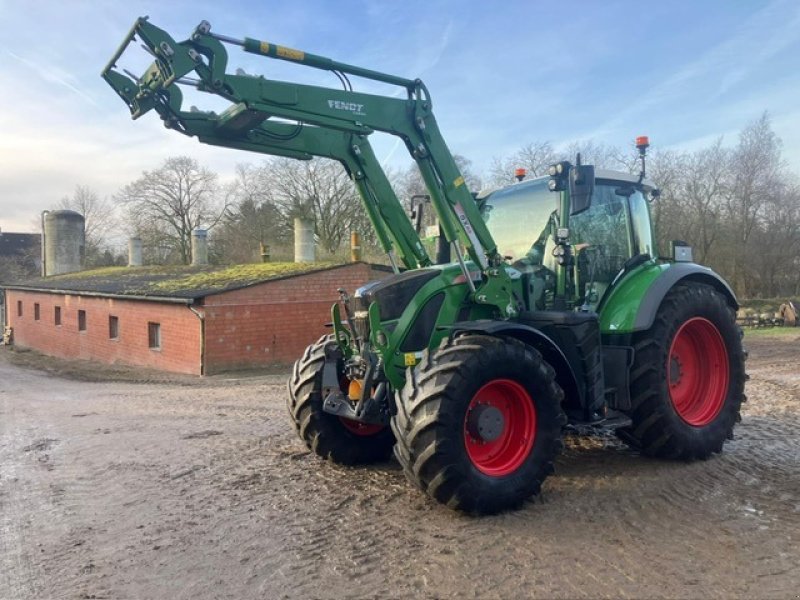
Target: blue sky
(501, 74)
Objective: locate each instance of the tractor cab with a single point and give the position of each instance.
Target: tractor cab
(526, 218)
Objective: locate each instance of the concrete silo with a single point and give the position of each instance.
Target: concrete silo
(304, 247)
(63, 242)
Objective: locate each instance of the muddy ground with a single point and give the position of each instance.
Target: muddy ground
(174, 488)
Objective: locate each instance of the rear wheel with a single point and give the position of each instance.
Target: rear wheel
(335, 438)
(687, 380)
(478, 423)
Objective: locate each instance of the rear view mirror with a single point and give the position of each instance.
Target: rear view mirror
(581, 187)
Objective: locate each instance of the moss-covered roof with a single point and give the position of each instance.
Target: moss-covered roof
(182, 282)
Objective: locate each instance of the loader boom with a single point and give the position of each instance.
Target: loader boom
(351, 112)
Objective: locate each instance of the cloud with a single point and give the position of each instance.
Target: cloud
(52, 75)
(431, 57)
(701, 83)
(500, 78)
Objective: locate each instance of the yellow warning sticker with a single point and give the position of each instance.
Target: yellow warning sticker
(264, 48)
(459, 181)
(289, 53)
(410, 359)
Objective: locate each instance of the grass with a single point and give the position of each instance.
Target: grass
(781, 332)
(239, 274)
(101, 272)
(168, 279)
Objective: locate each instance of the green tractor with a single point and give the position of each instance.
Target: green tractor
(557, 310)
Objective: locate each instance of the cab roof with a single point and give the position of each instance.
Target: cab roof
(647, 184)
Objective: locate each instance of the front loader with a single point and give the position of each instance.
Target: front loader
(558, 311)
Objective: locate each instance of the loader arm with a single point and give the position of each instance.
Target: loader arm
(345, 110)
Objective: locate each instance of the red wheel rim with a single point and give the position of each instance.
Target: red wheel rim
(359, 428)
(698, 372)
(512, 415)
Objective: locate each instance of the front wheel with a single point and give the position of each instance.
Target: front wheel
(478, 423)
(335, 438)
(687, 379)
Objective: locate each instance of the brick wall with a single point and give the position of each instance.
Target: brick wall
(180, 330)
(264, 324)
(273, 322)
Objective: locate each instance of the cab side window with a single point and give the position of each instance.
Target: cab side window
(601, 238)
(604, 226)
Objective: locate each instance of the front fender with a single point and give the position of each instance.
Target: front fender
(565, 375)
(633, 302)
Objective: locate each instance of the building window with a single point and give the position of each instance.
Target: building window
(36, 311)
(57, 316)
(113, 327)
(19, 308)
(81, 320)
(154, 335)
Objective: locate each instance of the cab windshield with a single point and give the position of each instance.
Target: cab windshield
(518, 218)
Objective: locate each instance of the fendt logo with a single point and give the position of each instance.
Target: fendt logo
(350, 106)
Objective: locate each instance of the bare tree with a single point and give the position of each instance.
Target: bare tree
(319, 190)
(756, 165)
(706, 184)
(534, 157)
(252, 218)
(666, 168)
(410, 182)
(602, 156)
(776, 263)
(166, 204)
(537, 156)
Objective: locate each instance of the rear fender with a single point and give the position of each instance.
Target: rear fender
(633, 303)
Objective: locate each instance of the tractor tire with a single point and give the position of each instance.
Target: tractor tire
(687, 378)
(479, 423)
(337, 439)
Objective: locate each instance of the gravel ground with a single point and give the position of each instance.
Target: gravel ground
(157, 487)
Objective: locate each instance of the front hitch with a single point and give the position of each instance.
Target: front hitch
(370, 411)
(369, 407)
(353, 358)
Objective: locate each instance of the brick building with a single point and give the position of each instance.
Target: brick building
(20, 253)
(197, 320)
